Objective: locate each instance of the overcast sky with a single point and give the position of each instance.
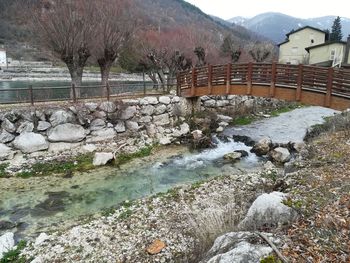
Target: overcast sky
(248, 8)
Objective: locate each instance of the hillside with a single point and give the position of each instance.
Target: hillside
(160, 14)
(276, 25)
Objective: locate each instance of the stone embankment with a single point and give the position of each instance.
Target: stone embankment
(39, 133)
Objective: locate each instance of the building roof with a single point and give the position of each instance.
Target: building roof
(300, 29)
(325, 44)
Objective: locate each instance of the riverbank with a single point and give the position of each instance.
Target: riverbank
(185, 221)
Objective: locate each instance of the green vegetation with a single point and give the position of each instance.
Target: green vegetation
(125, 214)
(81, 163)
(243, 120)
(285, 109)
(270, 259)
(3, 172)
(295, 204)
(127, 157)
(13, 255)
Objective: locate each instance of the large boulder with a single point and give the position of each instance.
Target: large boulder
(149, 100)
(102, 158)
(120, 127)
(97, 124)
(164, 99)
(6, 137)
(108, 106)
(8, 126)
(268, 211)
(91, 106)
(67, 133)
(61, 117)
(280, 155)
(162, 119)
(233, 157)
(25, 126)
(102, 135)
(30, 142)
(7, 242)
(6, 152)
(238, 247)
(262, 147)
(128, 113)
(132, 125)
(160, 109)
(43, 126)
(147, 110)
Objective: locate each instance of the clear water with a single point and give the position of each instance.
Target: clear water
(43, 206)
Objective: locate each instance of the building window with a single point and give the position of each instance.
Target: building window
(332, 55)
(294, 50)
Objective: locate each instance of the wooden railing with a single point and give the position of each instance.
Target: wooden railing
(329, 86)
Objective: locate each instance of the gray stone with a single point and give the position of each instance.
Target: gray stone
(120, 127)
(25, 126)
(130, 102)
(145, 119)
(222, 103)
(6, 152)
(160, 109)
(280, 155)
(224, 118)
(197, 134)
(99, 114)
(223, 124)
(164, 141)
(128, 113)
(61, 117)
(262, 147)
(175, 99)
(268, 211)
(12, 116)
(205, 98)
(91, 106)
(102, 158)
(97, 124)
(237, 247)
(210, 103)
(89, 148)
(40, 115)
(147, 110)
(164, 99)
(8, 126)
(67, 133)
(132, 125)
(162, 119)
(151, 130)
(220, 129)
(102, 135)
(41, 239)
(62, 146)
(30, 142)
(108, 106)
(149, 100)
(234, 156)
(6, 137)
(7, 242)
(43, 125)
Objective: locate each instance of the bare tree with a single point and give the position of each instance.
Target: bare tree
(261, 51)
(231, 48)
(64, 28)
(114, 27)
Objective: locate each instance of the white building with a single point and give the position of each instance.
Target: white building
(3, 59)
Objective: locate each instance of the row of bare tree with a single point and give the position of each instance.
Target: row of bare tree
(108, 30)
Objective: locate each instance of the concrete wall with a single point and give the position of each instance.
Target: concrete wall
(294, 51)
(323, 53)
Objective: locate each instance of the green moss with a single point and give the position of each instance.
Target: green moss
(270, 259)
(13, 255)
(81, 163)
(296, 204)
(3, 172)
(125, 214)
(243, 120)
(285, 109)
(127, 157)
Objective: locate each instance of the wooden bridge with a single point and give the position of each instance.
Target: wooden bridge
(328, 87)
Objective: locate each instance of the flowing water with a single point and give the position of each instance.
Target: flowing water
(44, 204)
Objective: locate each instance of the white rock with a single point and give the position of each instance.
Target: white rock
(6, 137)
(222, 103)
(151, 130)
(67, 133)
(43, 125)
(128, 113)
(89, 148)
(280, 155)
(145, 119)
(41, 239)
(61, 117)
(164, 141)
(151, 100)
(97, 124)
(223, 124)
(132, 125)
(6, 152)
(164, 99)
(102, 158)
(268, 210)
(130, 102)
(108, 106)
(210, 103)
(175, 99)
(8, 126)
(91, 106)
(220, 129)
(7, 243)
(184, 128)
(30, 142)
(160, 109)
(147, 110)
(224, 118)
(25, 126)
(120, 127)
(162, 119)
(197, 134)
(62, 146)
(262, 147)
(102, 135)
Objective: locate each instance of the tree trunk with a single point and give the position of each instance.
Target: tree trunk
(153, 77)
(76, 74)
(105, 68)
(161, 78)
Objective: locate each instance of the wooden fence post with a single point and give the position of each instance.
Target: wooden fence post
(273, 79)
(193, 85)
(249, 78)
(228, 78)
(329, 87)
(299, 82)
(74, 93)
(210, 78)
